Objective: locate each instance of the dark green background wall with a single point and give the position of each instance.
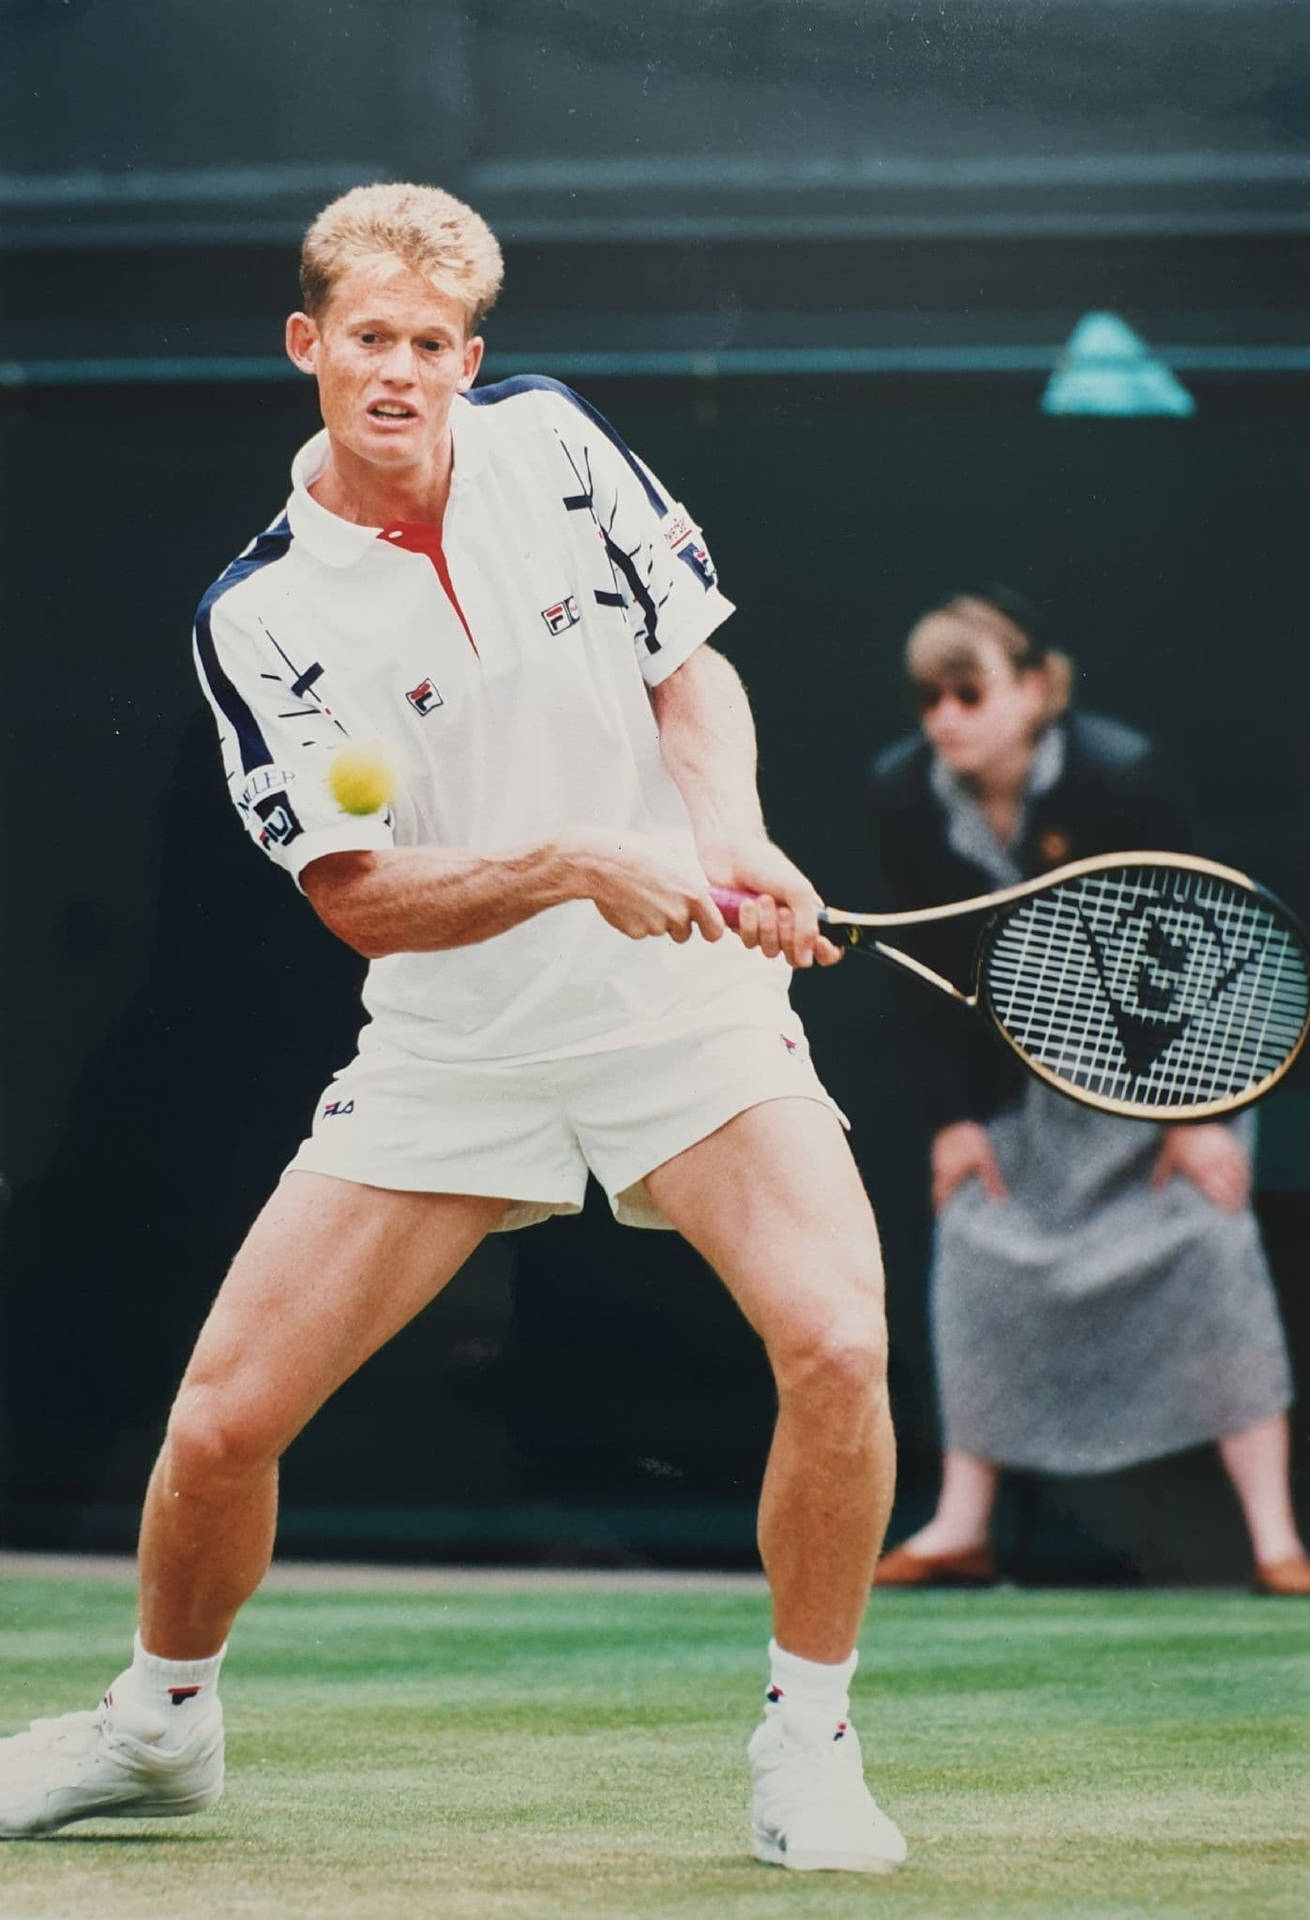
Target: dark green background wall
(172, 1007)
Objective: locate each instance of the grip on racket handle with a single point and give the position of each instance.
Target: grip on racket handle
(728, 900)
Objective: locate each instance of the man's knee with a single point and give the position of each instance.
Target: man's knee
(215, 1438)
(838, 1357)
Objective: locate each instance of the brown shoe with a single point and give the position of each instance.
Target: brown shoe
(974, 1567)
(1283, 1576)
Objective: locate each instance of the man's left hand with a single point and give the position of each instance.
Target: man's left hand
(1211, 1159)
(782, 915)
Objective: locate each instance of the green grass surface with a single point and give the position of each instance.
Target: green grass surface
(499, 1755)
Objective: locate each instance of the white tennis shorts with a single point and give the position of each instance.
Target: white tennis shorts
(530, 1130)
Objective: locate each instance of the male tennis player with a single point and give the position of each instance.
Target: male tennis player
(492, 586)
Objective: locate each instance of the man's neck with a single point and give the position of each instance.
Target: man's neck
(370, 496)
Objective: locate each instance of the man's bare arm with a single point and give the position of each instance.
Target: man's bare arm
(426, 899)
(707, 737)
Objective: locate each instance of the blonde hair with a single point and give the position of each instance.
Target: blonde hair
(427, 228)
(943, 645)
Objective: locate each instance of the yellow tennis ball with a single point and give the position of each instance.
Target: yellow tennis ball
(360, 779)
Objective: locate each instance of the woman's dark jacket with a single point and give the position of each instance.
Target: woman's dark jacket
(1110, 797)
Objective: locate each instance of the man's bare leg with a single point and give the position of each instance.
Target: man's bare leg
(774, 1202)
(329, 1272)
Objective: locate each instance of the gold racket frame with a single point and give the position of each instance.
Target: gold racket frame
(850, 928)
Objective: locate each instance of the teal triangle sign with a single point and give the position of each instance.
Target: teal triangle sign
(1106, 368)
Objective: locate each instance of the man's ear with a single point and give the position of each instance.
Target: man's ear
(302, 342)
(472, 361)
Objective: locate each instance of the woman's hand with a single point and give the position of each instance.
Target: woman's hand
(963, 1152)
(1211, 1159)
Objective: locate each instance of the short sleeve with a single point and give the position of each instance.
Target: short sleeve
(277, 740)
(662, 570)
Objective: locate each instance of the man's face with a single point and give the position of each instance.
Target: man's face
(389, 353)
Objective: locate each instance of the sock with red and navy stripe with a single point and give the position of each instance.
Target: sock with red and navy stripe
(810, 1694)
(172, 1688)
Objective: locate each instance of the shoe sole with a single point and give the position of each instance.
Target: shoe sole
(140, 1809)
(149, 1803)
(773, 1854)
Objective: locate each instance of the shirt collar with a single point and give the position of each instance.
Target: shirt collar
(329, 538)
(338, 542)
(468, 429)
(1047, 763)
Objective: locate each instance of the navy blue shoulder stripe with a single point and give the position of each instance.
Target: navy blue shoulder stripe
(270, 546)
(542, 383)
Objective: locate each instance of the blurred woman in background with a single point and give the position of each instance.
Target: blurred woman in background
(1099, 1293)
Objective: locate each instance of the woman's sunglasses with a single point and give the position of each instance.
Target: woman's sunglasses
(930, 693)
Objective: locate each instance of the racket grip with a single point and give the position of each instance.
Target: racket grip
(728, 900)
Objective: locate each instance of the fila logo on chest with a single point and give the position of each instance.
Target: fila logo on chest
(424, 698)
(563, 615)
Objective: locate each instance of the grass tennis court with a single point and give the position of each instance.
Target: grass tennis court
(480, 1753)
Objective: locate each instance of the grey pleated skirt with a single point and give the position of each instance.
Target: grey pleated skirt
(1087, 1322)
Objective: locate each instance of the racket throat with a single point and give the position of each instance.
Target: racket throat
(907, 963)
(850, 933)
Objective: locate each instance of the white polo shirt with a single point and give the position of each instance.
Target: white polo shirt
(503, 668)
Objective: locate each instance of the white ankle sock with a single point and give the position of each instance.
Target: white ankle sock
(810, 1687)
(173, 1687)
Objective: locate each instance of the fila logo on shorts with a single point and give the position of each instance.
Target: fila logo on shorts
(424, 697)
(563, 615)
(338, 1109)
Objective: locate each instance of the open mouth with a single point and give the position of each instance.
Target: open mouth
(389, 410)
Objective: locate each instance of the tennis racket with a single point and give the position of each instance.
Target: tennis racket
(1147, 984)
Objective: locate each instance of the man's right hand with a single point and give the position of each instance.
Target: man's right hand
(963, 1152)
(641, 887)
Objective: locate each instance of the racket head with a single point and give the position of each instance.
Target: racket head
(1159, 988)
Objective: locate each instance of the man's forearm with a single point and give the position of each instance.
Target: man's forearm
(428, 899)
(707, 738)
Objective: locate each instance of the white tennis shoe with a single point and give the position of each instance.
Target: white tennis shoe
(109, 1764)
(810, 1808)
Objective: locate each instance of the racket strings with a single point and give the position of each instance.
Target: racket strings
(1148, 987)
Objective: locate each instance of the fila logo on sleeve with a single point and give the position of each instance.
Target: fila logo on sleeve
(280, 823)
(424, 697)
(684, 539)
(563, 615)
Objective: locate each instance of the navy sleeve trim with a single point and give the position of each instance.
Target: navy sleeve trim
(270, 546)
(542, 383)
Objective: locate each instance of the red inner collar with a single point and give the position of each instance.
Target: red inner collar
(420, 536)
